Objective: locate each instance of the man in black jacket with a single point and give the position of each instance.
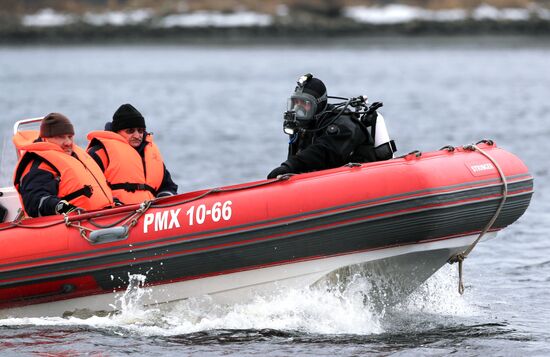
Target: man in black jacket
(324, 137)
(137, 153)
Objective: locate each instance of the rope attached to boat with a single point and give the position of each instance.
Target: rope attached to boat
(459, 258)
(135, 215)
(132, 218)
(227, 189)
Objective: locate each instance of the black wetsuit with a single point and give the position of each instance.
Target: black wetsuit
(331, 143)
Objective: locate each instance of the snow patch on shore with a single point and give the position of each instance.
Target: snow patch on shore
(47, 18)
(379, 15)
(395, 14)
(119, 18)
(216, 19)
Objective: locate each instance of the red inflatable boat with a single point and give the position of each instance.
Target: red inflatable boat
(404, 218)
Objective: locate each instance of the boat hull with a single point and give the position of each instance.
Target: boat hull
(406, 267)
(289, 232)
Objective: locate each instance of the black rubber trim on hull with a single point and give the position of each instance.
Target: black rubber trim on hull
(414, 228)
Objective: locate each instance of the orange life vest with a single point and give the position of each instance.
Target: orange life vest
(133, 179)
(81, 181)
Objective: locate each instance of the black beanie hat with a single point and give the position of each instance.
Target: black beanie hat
(55, 124)
(126, 116)
(316, 88)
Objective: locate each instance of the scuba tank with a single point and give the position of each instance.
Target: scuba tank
(383, 147)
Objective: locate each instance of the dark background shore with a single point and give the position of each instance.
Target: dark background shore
(272, 34)
(287, 21)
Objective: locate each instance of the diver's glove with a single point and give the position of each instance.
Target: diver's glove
(64, 207)
(281, 170)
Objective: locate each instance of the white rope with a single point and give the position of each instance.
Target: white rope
(461, 256)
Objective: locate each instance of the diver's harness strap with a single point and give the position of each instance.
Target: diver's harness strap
(459, 257)
(87, 191)
(366, 120)
(132, 187)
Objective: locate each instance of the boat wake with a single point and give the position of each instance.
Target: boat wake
(321, 310)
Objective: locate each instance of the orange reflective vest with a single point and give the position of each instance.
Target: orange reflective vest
(133, 179)
(81, 181)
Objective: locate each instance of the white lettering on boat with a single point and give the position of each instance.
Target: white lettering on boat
(482, 167)
(218, 211)
(159, 220)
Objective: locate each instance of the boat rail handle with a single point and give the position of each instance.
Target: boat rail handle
(18, 124)
(23, 122)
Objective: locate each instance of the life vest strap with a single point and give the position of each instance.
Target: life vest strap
(132, 187)
(84, 191)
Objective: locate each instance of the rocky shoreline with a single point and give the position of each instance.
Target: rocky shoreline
(81, 33)
(243, 26)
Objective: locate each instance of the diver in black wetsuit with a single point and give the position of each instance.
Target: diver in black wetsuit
(322, 135)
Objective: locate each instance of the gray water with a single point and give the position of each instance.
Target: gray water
(216, 115)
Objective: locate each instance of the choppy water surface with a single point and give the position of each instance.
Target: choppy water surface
(216, 114)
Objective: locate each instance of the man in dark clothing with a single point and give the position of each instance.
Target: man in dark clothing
(325, 136)
(131, 161)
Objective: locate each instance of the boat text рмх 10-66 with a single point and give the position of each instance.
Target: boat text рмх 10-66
(160, 221)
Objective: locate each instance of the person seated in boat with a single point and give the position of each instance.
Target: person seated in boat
(56, 176)
(131, 161)
(322, 135)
